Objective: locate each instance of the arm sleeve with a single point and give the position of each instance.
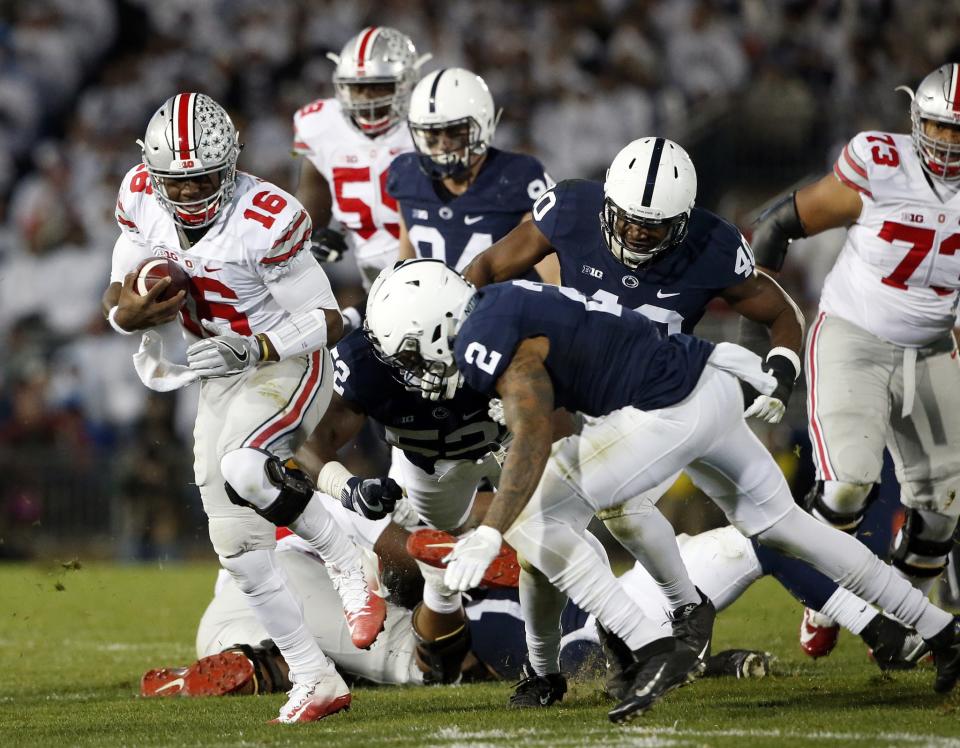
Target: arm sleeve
(851, 168)
(303, 287)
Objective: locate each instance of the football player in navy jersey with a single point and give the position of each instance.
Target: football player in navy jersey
(637, 240)
(457, 193)
(655, 405)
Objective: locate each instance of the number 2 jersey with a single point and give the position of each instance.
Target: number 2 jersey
(255, 243)
(672, 290)
(355, 168)
(455, 229)
(455, 429)
(899, 270)
(602, 356)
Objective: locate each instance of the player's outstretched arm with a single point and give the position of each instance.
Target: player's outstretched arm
(527, 394)
(341, 422)
(826, 204)
(511, 257)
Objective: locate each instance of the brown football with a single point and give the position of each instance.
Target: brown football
(154, 269)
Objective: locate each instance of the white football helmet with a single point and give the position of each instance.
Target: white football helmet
(650, 188)
(191, 135)
(378, 55)
(452, 120)
(937, 98)
(414, 311)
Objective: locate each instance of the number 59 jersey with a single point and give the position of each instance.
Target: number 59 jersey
(256, 241)
(898, 273)
(355, 168)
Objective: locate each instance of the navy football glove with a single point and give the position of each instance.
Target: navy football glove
(328, 245)
(374, 498)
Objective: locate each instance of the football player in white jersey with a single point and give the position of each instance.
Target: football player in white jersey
(258, 314)
(882, 363)
(349, 143)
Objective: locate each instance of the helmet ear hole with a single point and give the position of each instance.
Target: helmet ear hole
(436, 334)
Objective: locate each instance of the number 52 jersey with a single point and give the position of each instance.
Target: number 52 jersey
(898, 273)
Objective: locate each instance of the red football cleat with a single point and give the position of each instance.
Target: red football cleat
(216, 675)
(432, 546)
(309, 702)
(818, 634)
(361, 592)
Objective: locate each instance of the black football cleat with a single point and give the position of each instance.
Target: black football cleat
(659, 667)
(693, 625)
(946, 656)
(738, 663)
(619, 658)
(537, 690)
(893, 645)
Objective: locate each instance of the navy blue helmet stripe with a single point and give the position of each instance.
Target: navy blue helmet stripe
(433, 91)
(652, 173)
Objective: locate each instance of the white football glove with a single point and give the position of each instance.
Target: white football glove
(495, 411)
(766, 408)
(435, 387)
(224, 354)
(470, 557)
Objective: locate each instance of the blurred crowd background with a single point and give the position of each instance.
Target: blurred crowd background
(762, 94)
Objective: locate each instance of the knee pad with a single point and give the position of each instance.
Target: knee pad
(838, 503)
(923, 545)
(253, 479)
(441, 658)
(265, 658)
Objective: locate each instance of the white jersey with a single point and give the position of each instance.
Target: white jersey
(898, 273)
(355, 167)
(256, 240)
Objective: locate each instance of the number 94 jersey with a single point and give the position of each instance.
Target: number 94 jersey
(457, 229)
(898, 273)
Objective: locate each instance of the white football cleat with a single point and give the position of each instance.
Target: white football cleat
(362, 593)
(309, 702)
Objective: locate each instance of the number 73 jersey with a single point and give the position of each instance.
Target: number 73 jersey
(898, 273)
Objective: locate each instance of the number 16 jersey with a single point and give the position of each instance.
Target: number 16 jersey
(898, 273)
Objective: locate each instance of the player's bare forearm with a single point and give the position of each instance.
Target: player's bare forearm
(827, 204)
(314, 193)
(761, 300)
(340, 423)
(110, 298)
(511, 257)
(527, 394)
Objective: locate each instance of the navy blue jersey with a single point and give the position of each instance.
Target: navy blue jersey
(457, 429)
(673, 290)
(602, 356)
(456, 229)
(500, 641)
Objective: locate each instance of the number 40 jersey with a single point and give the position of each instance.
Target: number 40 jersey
(672, 290)
(899, 270)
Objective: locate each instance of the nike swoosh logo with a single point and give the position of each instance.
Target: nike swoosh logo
(662, 295)
(652, 684)
(703, 651)
(468, 416)
(241, 355)
(177, 683)
(208, 269)
(470, 220)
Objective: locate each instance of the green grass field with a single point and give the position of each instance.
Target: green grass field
(74, 642)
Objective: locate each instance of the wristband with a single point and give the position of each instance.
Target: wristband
(351, 319)
(111, 318)
(791, 356)
(332, 479)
